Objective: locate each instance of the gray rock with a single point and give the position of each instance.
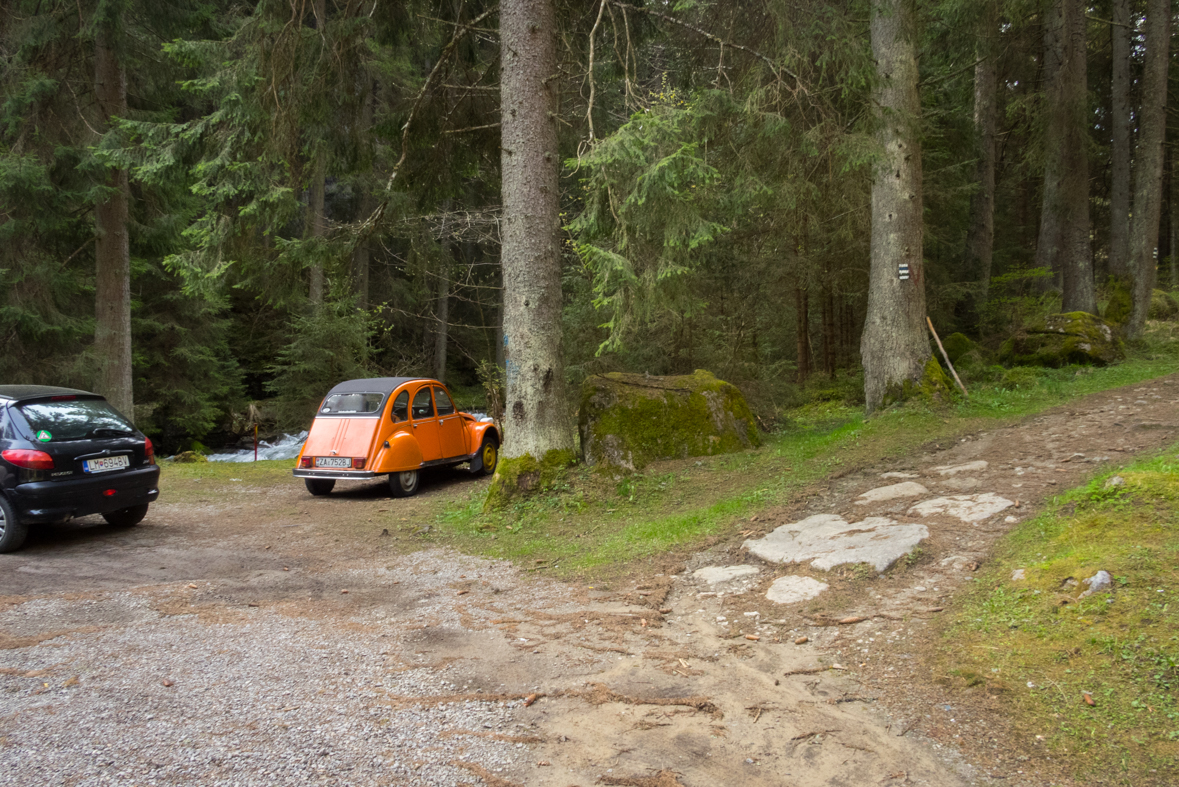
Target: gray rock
(828, 540)
(969, 467)
(1117, 480)
(791, 590)
(881, 493)
(968, 508)
(1098, 583)
(714, 575)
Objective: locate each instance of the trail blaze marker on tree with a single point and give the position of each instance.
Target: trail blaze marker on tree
(903, 271)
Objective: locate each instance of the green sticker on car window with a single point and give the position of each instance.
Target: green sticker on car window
(44, 436)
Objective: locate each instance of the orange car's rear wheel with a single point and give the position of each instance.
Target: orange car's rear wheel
(403, 484)
(489, 454)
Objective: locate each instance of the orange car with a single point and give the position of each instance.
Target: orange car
(392, 426)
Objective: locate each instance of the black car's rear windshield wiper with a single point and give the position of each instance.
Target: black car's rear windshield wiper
(109, 431)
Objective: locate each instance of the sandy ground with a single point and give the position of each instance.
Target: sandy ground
(268, 637)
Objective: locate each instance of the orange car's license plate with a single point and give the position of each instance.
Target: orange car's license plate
(333, 461)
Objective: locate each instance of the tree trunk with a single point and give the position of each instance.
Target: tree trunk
(1148, 170)
(442, 313)
(1174, 219)
(1120, 122)
(802, 321)
(112, 294)
(367, 203)
(894, 347)
(538, 418)
(829, 337)
(1064, 231)
(980, 237)
(316, 226)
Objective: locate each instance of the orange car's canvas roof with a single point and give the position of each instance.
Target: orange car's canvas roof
(385, 385)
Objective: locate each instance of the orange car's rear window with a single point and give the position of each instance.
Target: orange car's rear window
(352, 404)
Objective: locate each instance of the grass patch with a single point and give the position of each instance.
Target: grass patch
(1039, 646)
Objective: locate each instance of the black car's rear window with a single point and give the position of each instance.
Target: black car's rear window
(74, 419)
(352, 404)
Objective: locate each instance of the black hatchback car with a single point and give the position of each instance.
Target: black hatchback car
(66, 453)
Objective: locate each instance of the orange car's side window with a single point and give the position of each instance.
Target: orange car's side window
(423, 407)
(399, 410)
(445, 406)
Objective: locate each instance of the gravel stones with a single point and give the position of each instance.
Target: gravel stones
(828, 540)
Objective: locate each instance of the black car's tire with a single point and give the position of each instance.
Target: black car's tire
(403, 484)
(12, 531)
(320, 486)
(488, 454)
(126, 517)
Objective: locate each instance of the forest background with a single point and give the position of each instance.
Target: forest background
(288, 193)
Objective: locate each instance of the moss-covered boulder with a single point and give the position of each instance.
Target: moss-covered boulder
(520, 477)
(958, 345)
(1062, 339)
(629, 420)
(1163, 306)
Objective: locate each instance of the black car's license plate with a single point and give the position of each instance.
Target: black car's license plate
(105, 464)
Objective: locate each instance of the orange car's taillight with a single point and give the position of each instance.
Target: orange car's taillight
(358, 462)
(304, 462)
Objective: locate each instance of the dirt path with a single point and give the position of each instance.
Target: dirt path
(258, 636)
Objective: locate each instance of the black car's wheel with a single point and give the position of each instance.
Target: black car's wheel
(320, 486)
(126, 517)
(12, 530)
(488, 454)
(403, 484)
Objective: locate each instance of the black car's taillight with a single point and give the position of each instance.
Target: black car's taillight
(149, 452)
(29, 459)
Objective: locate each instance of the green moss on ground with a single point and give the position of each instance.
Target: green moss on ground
(1163, 306)
(933, 387)
(957, 345)
(1038, 648)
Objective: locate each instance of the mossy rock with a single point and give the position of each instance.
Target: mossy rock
(188, 457)
(519, 477)
(957, 345)
(1163, 306)
(629, 420)
(1121, 301)
(1062, 339)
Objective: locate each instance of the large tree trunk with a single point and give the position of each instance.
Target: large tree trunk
(538, 418)
(316, 226)
(1119, 152)
(894, 347)
(1064, 231)
(112, 295)
(802, 321)
(365, 207)
(1174, 219)
(1148, 169)
(442, 313)
(829, 337)
(980, 237)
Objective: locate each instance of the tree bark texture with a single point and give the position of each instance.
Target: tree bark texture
(442, 313)
(112, 294)
(1148, 169)
(317, 225)
(894, 347)
(538, 418)
(1063, 245)
(1174, 220)
(1119, 152)
(829, 337)
(802, 321)
(980, 237)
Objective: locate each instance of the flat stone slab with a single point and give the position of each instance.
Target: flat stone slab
(969, 467)
(791, 590)
(895, 474)
(968, 508)
(828, 540)
(714, 575)
(882, 493)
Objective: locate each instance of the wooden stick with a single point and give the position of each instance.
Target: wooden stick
(937, 338)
